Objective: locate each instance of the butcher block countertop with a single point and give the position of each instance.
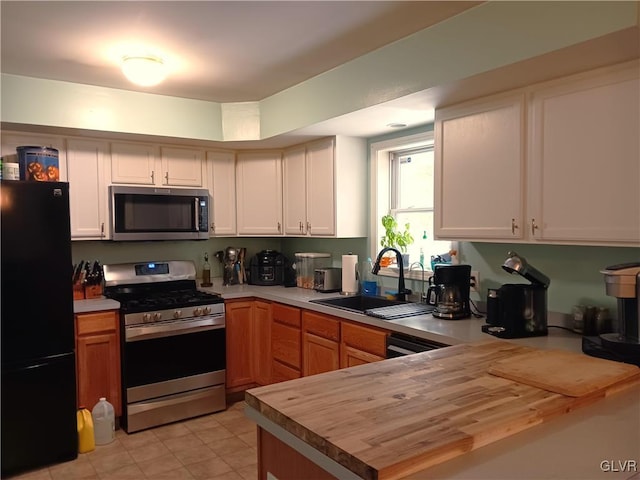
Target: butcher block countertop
(409, 416)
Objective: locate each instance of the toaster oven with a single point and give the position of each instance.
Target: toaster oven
(327, 279)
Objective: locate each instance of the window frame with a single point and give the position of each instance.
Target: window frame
(380, 189)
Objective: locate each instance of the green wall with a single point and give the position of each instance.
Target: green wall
(574, 270)
(123, 252)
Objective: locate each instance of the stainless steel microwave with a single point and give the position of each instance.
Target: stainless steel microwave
(150, 213)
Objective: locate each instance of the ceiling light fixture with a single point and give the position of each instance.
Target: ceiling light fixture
(144, 70)
(396, 125)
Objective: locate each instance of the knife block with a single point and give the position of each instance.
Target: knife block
(78, 292)
(93, 291)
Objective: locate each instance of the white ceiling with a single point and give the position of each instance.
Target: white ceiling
(222, 51)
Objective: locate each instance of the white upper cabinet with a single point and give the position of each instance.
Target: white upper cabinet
(584, 159)
(294, 191)
(142, 164)
(320, 189)
(576, 183)
(181, 166)
(259, 193)
(325, 188)
(12, 140)
(479, 166)
(134, 163)
(88, 170)
(309, 207)
(221, 176)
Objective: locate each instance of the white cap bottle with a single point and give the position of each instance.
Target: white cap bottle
(104, 422)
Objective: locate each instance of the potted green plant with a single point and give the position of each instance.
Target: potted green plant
(395, 238)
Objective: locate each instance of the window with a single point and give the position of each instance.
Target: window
(403, 185)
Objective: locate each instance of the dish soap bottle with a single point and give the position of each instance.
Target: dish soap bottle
(206, 272)
(424, 240)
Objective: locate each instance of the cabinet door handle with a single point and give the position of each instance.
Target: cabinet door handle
(279, 227)
(166, 178)
(514, 226)
(213, 227)
(308, 227)
(102, 230)
(300, 226)
(153, 177)
(534, 227)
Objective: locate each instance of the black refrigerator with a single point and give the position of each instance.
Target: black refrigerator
(38, 396)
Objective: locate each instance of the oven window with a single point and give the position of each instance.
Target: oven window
(154, 213)
(168, 358)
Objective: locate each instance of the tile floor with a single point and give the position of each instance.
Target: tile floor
(220, 446)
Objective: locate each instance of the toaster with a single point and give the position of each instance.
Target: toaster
(327, 279)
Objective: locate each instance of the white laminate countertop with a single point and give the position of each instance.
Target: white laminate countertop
(95, 305)
(450, 332)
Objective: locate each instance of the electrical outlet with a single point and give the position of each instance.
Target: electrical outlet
(475, 281)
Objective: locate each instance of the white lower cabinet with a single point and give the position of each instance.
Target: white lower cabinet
(87, 170)
(221, 176)
(575, 183)
(259, 193)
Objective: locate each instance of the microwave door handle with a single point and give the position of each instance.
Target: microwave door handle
(197, 214)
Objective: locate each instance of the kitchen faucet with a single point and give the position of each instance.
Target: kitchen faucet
(423, 297)
(402, 291)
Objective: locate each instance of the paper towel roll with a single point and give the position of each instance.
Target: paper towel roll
(349, 274)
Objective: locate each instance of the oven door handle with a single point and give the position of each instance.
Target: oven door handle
(168, 329)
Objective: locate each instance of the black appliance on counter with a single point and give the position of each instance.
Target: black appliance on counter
(518, 310)
(623, 282)
(39, 425)
(267, 268)
(450, 291)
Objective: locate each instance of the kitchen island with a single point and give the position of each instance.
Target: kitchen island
(600, 439)
(428, 415)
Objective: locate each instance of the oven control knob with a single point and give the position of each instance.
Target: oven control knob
(157, 316)
(177, 314)
(206, 310)
(197, 312)
(146, 317)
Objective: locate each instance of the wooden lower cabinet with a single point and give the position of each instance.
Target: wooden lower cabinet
(320, 343)
(98, 359)
(361, 344)
(262, 342)
(239, 337)
(286, 344)
(272, 342)
(279, 460)
(350, 357)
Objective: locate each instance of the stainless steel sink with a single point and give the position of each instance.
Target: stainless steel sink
(357, 303)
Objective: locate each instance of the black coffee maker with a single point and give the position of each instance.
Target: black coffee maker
(450, 291)
(518, 310)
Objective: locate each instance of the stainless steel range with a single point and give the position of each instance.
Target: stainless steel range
(172, 343)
